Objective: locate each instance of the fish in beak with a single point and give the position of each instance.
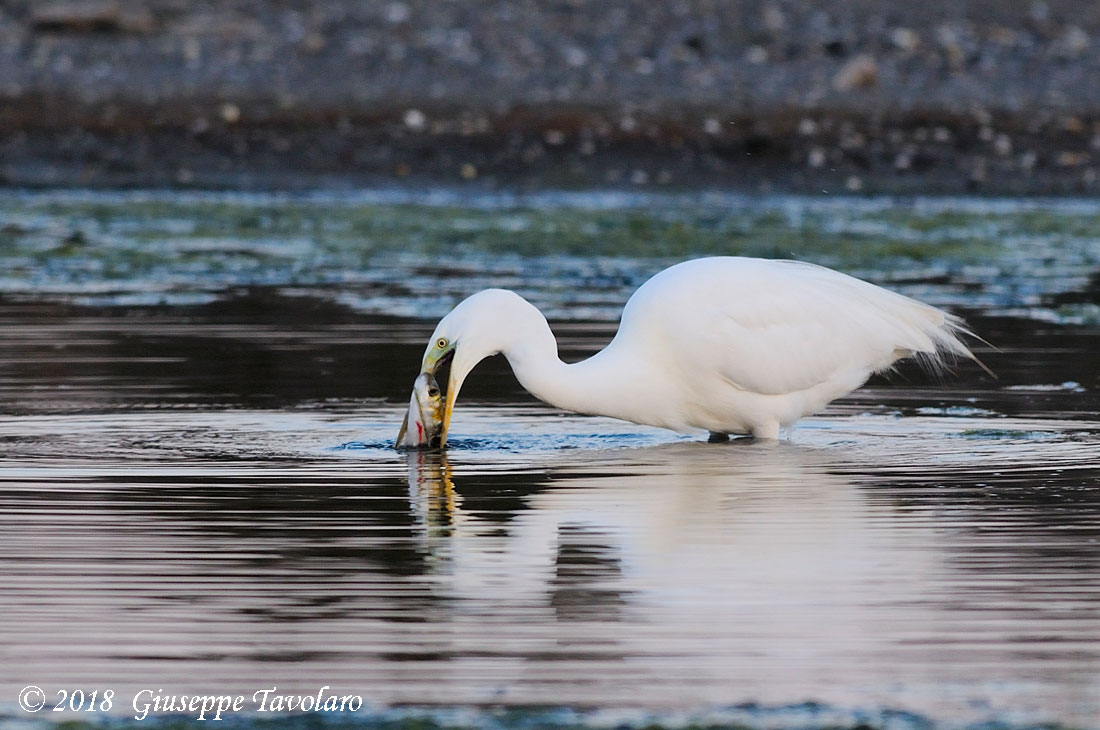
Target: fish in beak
(441, 357)
(425, 421)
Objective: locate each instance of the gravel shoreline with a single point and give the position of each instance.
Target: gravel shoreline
(760, 95)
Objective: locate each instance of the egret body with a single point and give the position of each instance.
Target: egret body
(725, 344)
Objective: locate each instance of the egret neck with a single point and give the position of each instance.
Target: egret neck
(601, 385)
(499, 321)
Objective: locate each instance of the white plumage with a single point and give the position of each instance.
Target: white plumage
(725, 344)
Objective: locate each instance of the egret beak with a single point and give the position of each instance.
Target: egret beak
(448, 406)
(431, 365)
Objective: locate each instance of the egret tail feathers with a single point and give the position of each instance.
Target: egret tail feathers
(946, 337)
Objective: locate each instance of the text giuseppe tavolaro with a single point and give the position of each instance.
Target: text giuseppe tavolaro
(211, 707)
(33, 698)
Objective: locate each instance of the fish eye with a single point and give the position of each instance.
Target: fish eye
(441, 343)
(433, 392)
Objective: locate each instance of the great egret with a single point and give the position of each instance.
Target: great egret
(727, 344)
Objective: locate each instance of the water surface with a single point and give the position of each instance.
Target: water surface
(200, 496)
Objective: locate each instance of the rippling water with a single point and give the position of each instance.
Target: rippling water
(202, 498)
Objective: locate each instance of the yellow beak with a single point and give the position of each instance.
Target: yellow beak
(431, 364)
(448, 406)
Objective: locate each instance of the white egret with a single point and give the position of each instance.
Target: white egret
(731, 345)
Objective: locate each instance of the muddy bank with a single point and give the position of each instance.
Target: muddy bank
(754, 95)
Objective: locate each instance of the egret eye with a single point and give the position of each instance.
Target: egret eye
(441, 343)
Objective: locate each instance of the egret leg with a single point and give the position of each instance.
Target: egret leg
(766, 431)
(717, 437)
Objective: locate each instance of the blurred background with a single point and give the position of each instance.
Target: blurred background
(755, 95)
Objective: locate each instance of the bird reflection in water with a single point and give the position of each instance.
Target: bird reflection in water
(432, 493)
(578, 565)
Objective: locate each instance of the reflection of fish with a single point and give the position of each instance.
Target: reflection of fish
(423, 425)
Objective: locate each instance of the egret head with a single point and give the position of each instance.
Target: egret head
(481, 325)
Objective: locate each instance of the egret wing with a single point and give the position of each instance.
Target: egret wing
(778, 327)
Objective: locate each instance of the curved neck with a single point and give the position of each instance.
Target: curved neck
(596, 386)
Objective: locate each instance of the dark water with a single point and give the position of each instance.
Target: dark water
(201, 498)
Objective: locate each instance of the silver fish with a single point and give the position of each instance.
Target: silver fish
(423, 424)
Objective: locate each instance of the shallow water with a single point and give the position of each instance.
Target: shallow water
(203, 498)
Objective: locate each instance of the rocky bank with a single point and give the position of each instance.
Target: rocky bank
(755, 95)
